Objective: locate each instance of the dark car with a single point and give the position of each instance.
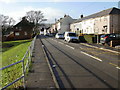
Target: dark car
(108, 37)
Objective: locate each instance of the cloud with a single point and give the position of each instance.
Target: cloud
(49, 13)
(8, 1)
(13, 1)
(52, 13)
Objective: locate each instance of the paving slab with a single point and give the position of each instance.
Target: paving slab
(39, 76)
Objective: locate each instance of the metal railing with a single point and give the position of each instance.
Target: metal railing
(25, 65)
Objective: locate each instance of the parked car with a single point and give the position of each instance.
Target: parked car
(71, 37)
(59, 36)
(105, 39)
(49, 34)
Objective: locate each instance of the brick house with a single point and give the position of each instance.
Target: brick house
(23, 29)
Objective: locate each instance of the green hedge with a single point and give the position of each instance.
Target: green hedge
(89, 38)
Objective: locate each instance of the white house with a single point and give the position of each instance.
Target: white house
(52, 29)
(63, 24)
(103, 22)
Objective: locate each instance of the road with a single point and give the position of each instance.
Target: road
(79, 66)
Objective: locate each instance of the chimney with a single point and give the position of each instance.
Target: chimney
(65, 15)
(60, 18)
(81, 16)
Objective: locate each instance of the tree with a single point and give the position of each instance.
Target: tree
(11, 21)
(35, 17)
(5, 23)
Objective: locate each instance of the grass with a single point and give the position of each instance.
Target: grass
(10, 44)
(13, 51)
(88, 38)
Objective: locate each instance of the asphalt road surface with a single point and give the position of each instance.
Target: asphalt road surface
(79, 66)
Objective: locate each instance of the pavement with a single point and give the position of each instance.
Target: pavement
(39, 76)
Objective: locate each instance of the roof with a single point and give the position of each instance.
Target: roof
(23, 23)
(101, 13)
(61, 19)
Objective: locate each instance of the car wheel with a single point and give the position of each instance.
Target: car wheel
(103, 43)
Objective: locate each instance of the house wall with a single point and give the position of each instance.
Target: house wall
(58, 26)
(114, 23)
(85, 27)
(22, 35)
(52, 29)
(64, 24)
(101, 25)
(88, 26)
(76, 27)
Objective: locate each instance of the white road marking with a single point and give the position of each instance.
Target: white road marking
(91, 56)
(115, 65)
(81, 48)
(60, 42)
(118, 67)
(70, 47)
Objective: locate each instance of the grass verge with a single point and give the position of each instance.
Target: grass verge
(13, 51)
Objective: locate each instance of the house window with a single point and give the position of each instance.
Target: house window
(16, 27)
(25, 33)
(20, 28)
(17, 34)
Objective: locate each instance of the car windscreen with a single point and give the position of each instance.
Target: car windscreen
(60, 34)
(72, 34)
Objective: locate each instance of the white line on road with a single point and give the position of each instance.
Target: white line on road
(115, 65)
(91, 56)
(101, 48)
(81, 48)
(55, 40)
(60, 42)
(70, 47)
(118, 67)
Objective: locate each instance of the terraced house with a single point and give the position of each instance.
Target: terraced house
(103, 22)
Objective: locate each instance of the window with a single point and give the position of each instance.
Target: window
(25, 33)
(17, 34)
(20, 28)
(16, 27)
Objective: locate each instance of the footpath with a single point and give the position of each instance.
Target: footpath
(39, 76)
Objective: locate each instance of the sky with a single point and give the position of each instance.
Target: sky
(54, 8)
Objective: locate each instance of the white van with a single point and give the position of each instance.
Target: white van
(71, 37)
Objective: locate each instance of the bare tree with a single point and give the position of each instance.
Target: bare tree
(3, 20)
(35, 17)
(5, 23)
(11, 21)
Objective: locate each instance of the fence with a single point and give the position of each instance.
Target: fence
(25, 65)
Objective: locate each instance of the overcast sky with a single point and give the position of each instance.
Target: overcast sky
(54, 8)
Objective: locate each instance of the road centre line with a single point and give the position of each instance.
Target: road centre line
(91, 56)
(70, 47)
